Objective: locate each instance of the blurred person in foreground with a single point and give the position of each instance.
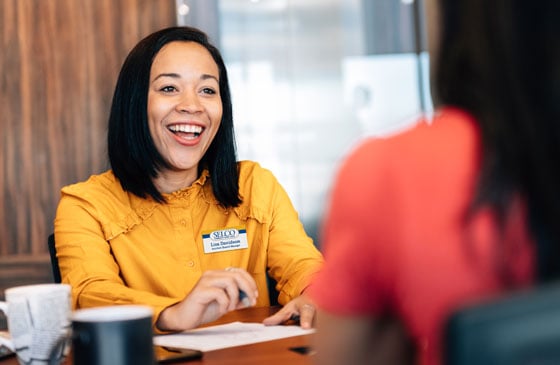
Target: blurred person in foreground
(178, 223)
(464, 206)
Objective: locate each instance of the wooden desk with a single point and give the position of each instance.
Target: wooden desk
(275, 352)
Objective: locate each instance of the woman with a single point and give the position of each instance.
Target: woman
(462, 206)
(178, 223)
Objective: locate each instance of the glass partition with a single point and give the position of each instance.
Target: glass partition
(310, 78)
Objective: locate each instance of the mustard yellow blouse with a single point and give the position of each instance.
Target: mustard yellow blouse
(116, 248)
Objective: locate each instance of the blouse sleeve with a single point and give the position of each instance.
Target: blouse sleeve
(292, 258)
(86, 262)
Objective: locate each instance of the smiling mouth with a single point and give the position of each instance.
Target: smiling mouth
(187, 131)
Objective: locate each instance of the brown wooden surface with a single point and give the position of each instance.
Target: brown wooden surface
(275, 352)
(59, 63)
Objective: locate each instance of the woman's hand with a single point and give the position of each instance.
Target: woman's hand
(216, 293)
(300, 307)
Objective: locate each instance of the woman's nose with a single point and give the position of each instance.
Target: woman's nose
(189, 103)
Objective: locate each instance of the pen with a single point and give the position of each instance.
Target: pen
(243, 298)
(294, 317)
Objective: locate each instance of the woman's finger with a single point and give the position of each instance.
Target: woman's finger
(245, 280)
(306, 315)
(247, 289)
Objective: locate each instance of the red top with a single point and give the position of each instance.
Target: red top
(396, 238)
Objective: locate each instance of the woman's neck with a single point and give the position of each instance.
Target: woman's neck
(170, 181)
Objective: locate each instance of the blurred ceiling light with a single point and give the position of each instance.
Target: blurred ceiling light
(407, 2)
(183, 9)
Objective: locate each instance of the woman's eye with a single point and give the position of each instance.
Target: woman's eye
(168, 89)
(209, 91)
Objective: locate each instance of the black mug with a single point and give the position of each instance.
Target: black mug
(113, 335)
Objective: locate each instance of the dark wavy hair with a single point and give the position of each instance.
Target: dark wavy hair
(500, 60)
(134, 158)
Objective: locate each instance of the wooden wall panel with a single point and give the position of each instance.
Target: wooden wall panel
(59, 61)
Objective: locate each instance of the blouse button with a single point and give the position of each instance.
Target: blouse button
(190, 263)
(183, 222)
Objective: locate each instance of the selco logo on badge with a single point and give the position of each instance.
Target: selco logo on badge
(224, 234)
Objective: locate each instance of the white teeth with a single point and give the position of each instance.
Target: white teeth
(185, 128)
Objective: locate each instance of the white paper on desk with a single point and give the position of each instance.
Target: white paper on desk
(228, 335)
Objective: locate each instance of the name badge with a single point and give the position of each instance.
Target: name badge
(227, 239)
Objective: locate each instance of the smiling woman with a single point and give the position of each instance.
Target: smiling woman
(152, 230)
(184, 110)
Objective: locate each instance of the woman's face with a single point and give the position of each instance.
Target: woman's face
(184, 107)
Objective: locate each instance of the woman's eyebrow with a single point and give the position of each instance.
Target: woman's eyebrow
(173, 75)
(177, 76)
(207, 76)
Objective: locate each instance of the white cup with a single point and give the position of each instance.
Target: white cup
(39, 322)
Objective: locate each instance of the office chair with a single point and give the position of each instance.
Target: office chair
(517, 329)
(54, 259)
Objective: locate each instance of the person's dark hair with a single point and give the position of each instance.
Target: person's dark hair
(134, 158)
(499, 60)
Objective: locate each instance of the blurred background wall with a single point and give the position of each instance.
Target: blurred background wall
(310, 78)
(59, 61)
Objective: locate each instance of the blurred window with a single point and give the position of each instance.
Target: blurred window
(310, 78)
